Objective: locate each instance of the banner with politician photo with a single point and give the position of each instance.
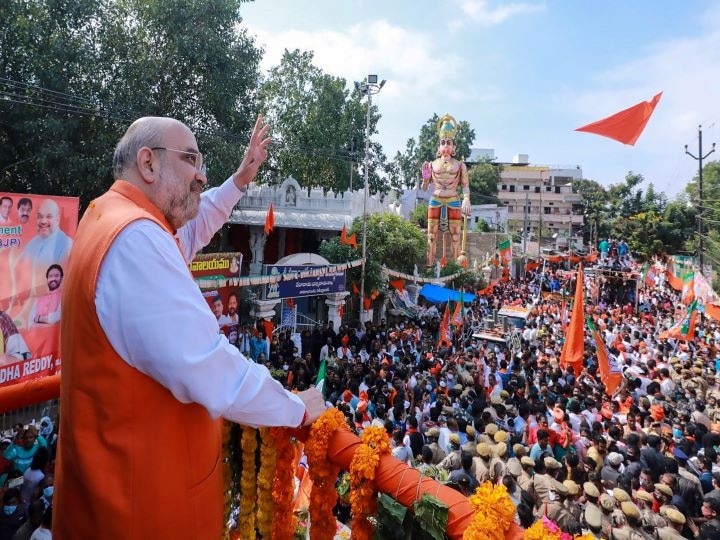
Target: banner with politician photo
(216, 274)
(36, 234)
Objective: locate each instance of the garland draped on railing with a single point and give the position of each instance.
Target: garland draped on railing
(418, 279)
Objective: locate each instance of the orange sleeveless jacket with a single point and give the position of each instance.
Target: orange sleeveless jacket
(133, 462)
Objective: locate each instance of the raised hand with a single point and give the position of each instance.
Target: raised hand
(255, 154)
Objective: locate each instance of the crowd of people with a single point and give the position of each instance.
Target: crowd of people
(640, 463)
(27, 477)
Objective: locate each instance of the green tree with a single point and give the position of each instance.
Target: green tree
(392, 241)
(594, 201)
(76, 74)
(419, 215)
(484, 177)
(321, 126)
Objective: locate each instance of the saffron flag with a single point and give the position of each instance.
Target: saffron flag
(355, 288)
(458, 316)
(688, 290)
(610, 373)
(685, 328)
(269, 221)
(348, 240)
(574, 346)
(398, 284)
(625, 126)
(505, 248)
(445, 330)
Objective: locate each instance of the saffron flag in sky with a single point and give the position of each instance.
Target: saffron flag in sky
(625, 126)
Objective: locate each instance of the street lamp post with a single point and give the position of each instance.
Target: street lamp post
(367, 88)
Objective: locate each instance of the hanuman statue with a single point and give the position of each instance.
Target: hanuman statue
(447, 173)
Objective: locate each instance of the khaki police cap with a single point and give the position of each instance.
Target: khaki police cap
(500, 449)
(433, 432)
(560, 488)
(630, 509)
(664, 489)
(675, 516)
(573, 488)
(500, 436)
(552, 463)
(454, 438)
(515, 468)
(644, 496)
(591, 489)
(606, 502)
(470, 431)
(620, 495)
(519, 450)
(483, 449)
(527, 461)
(593, 517)
(491, 429)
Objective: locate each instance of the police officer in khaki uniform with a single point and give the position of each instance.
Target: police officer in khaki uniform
(650, 521)
(571, 500)
(439, 454)
(525, 479)
(452, 460)
(632, 529)
(498, 465)
(592, 521)
(470, 446)
(482, 462)
(676, 522)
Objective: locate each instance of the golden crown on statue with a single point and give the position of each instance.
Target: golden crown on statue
(447, 127)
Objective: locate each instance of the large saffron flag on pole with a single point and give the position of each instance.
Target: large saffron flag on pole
(610, 373)
(348, 240)
(574, 346)
(505, 248)
(625, 126)
(685, 328)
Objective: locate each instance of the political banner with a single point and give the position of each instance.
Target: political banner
(330, 282)
(36, 234)
(214, 272)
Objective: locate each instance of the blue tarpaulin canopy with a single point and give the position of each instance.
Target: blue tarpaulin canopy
(439, 295)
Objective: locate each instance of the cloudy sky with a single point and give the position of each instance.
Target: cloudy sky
(524, 74)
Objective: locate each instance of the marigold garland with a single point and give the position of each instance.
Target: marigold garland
(494, 513)
(363, 494)
(246, 519)
(323, 473)
(265, 483)
(547, 529)
(283, 485)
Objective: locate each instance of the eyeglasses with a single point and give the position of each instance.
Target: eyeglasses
(195, 158)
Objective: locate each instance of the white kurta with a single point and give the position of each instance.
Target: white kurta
(157, 320)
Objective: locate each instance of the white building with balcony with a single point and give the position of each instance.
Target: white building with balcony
(542, 198)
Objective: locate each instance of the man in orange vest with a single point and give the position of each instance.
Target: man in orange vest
(146, 375)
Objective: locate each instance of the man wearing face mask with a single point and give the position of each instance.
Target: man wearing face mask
(13, 513)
